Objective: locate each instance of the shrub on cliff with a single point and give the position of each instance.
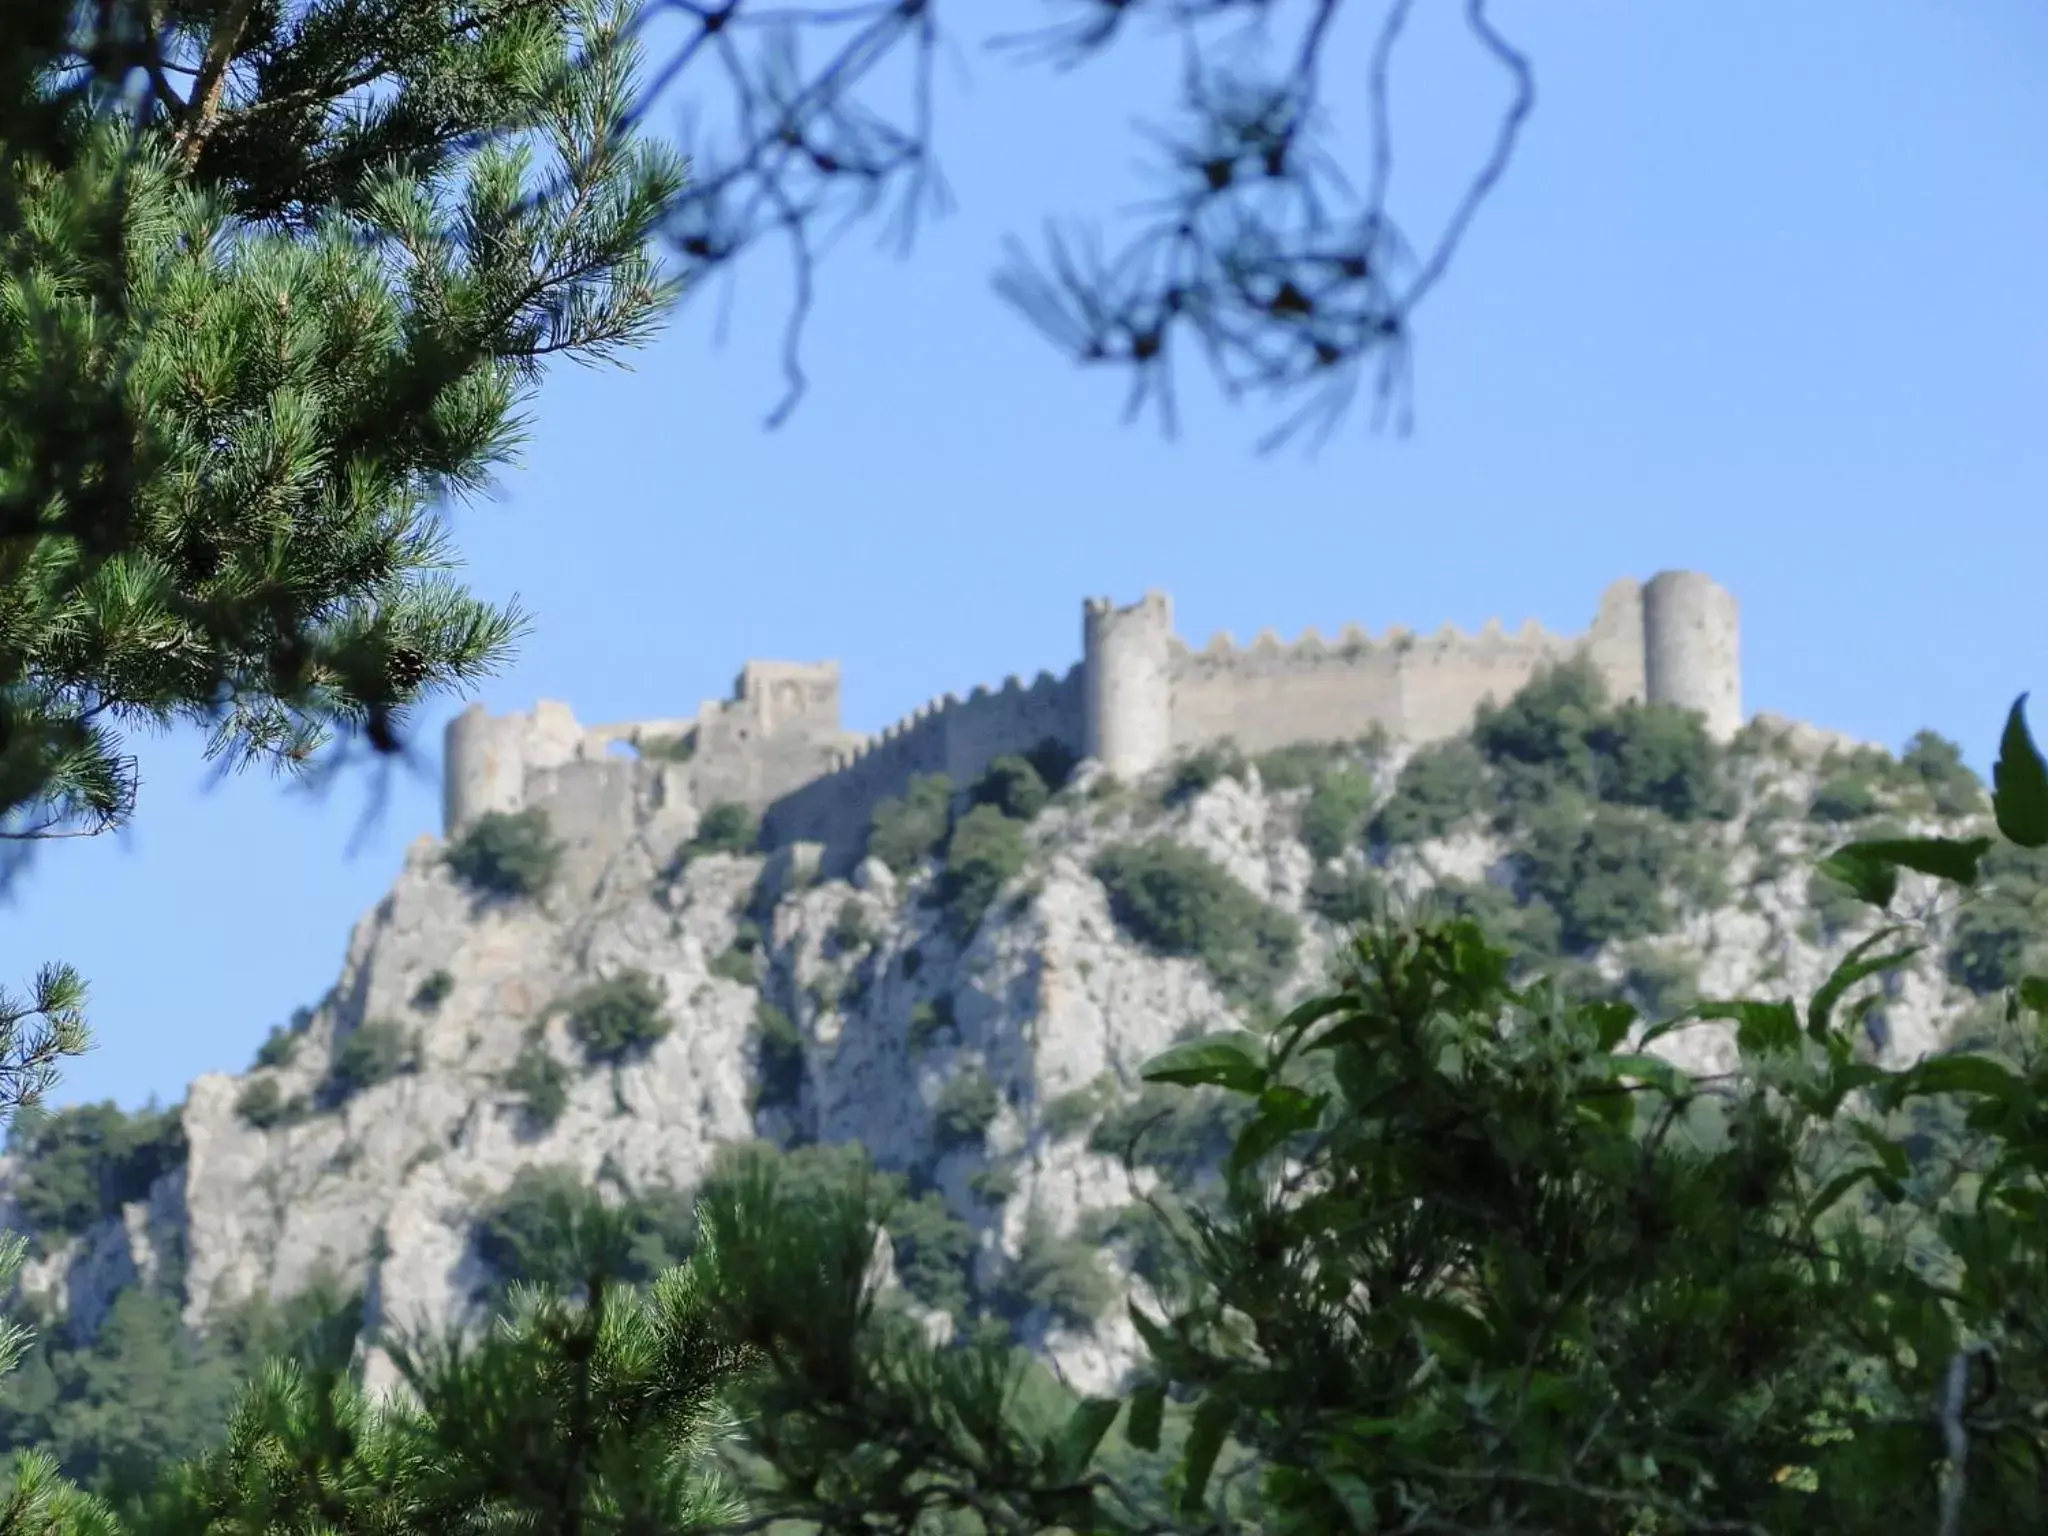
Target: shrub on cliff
(985, 852)
(966, 1107)
(904, 832)
(506, 853)
(778, 1057)
(619, 1018)
(1014, 786)
(262, 1105)
(725, 827)
(375, 1051)
(1441, 788)
(540, 1083)
(1178, 901)
(1605, 871)
(78, 1165)
(1339, 802)
(1189, 775)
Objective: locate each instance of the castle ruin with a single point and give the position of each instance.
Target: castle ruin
(1138, 697)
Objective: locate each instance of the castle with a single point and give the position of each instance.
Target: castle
(1138, 696)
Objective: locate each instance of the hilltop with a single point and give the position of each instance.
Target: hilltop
(970, 1003)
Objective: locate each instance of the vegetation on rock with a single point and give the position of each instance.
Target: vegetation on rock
(506, 854)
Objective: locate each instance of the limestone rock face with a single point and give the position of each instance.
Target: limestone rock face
(1046, 997)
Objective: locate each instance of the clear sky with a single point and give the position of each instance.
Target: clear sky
(1760, 296)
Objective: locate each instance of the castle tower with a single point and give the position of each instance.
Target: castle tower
(1127, 683)
(1691, 648)
(485, 758)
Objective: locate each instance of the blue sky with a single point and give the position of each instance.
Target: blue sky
(1759, 296)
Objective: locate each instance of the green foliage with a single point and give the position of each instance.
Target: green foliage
(1603, 870)
(933, 1249)
(1182, 1136)
(1069, 1114)
(234, 414)
(1062, 1276)
(375, 1051)
(1937, 763)
(1338, 804)
(1199, 770)
(737, 964)
(531, 1234)
(1344, 896)
(779, 1057)
(1014, 786)
(1054, 762)
(1178, 901)
(2001, 930)
(507, 854)
(540, 1083)
(1301, 764)
(1440, 788)
(281, 1045)
(434, 991)
(985, 852)
(263, 1105)
(725, 827)
(993, 1185)
(904, 832)
(80, 1165)
(1848, 794)
(670, 749)
(620, 1018)
(930, 1018)
(966, 1107)
(851, 930)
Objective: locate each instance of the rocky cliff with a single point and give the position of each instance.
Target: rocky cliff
(968, 1017)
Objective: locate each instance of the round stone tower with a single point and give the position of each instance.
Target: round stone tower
(1127, 684)
(483, 766)
(1692, 648)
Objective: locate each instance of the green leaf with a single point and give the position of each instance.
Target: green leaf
(2033, 994)
(1610, 1019)
(1205, 1441)
(1854, 968)
(1284, 1111)
(1966, 1074)
(1953, 859)
(1759, 1027)
(1148, 1412)
(1655, 1070)
(1868, 879)
(1832, 1192)
(1227, 1061)
(1082, 1434)
(2019, 781)
(1889, 1152)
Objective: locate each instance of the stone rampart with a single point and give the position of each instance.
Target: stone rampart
(950, 735)
(1138, 696)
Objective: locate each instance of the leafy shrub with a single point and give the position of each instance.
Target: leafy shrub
(966, 1107)
(507, 853)
(1529, 931)
(1055, 763)
(1178, 1133)
(2001, 932)
(1848, 794)
(984, 853)
(1937, 764)
(529, 1233)
(82, 1164)
(433, 992)
(932, 1248)
(1661, 983)
(1836, 909)
(670, 749)
(262, 1104)
(1069, 1114)
(1346, 897)
(375, 1051)
(1661, 758)
(904, 832)
(541, 1083)
(280, 1045)
(1336, 812)
(1300, 764)
(1199, 770)
(1014, 786)
(929, 1018)
(850, 928)
(1601, 869)
(1441, 787)
(1178, 901)
(1060, 1275)
(737, 964)
(993, 1186)
(618, 1018)
(1539, 740)
(725, 827)
(779, 1057)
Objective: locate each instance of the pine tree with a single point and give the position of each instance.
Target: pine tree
(277, 278)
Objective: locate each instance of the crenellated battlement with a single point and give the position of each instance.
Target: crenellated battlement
(1138, 696)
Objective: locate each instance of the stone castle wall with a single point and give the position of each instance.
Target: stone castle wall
(1138, 696)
